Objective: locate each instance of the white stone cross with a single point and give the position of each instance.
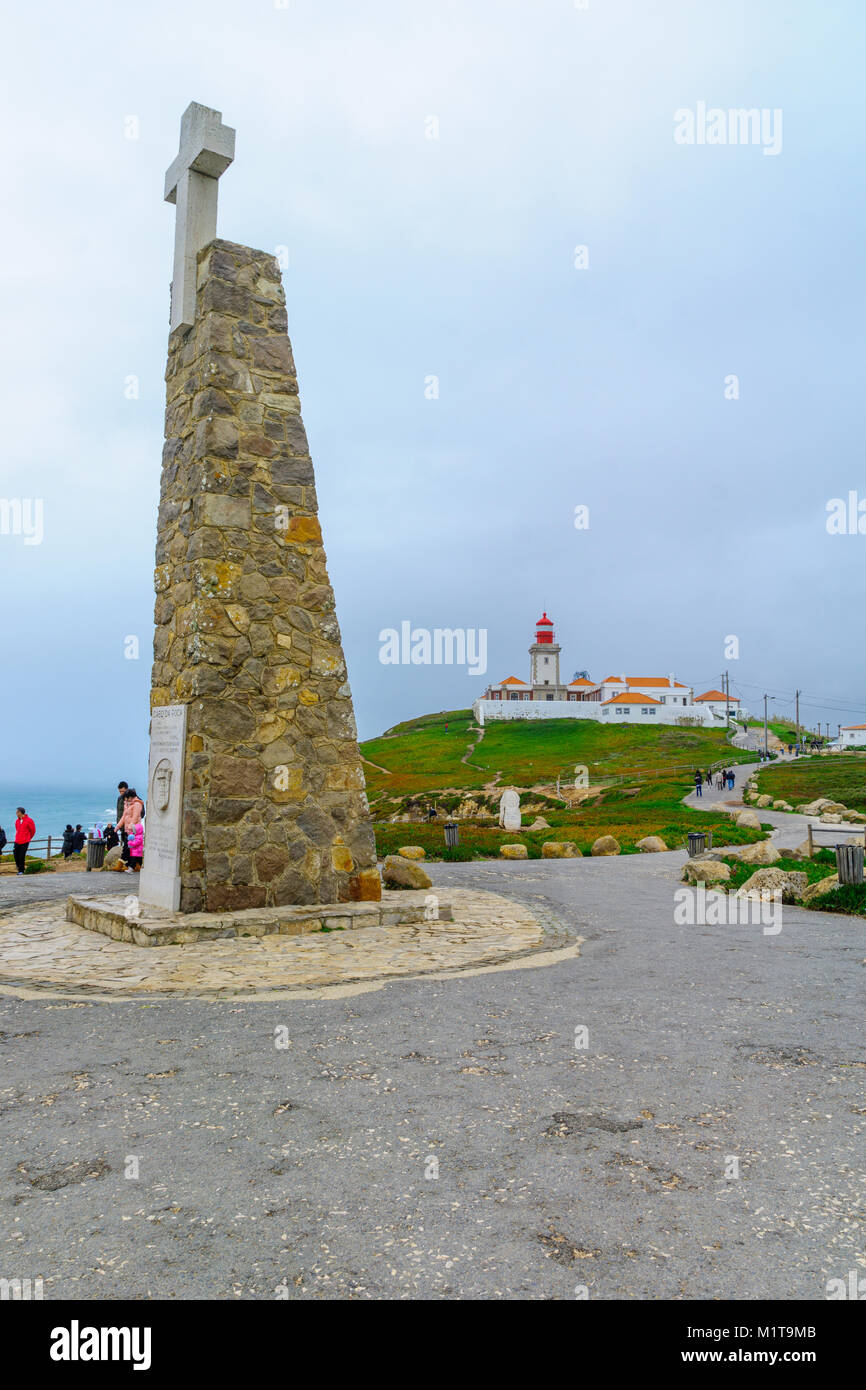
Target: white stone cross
(207, 148)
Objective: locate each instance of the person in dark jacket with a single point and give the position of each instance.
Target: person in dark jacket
(110, 837)
(68, 837)
(78, 838)
(122, 789)
(699, 784)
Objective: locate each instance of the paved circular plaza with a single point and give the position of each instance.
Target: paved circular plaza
(40, 950)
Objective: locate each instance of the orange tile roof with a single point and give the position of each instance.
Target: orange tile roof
(512, 680)
(854, 726)
(581, 681)
(631, 697)
(654, 680)
(716, 695)
(644, 680)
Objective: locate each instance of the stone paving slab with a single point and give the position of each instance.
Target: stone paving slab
(155, 927)
(40, 950)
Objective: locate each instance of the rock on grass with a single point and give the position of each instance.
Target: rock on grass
(605, 844)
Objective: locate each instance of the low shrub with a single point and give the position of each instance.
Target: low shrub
(815, 869)
(848, 897)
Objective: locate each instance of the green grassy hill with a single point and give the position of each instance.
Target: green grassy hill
(639, 776)
(840, 777)
(424, 755)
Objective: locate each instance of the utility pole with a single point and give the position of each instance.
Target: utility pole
(727, 700)
(797, 704)
(766, 745)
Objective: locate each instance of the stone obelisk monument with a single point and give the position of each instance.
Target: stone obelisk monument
(255, 788)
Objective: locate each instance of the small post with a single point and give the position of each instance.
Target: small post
(809, 834)
(48, 856)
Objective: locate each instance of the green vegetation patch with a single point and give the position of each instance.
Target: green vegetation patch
(849, 897)
(671, 822)
(37, 866)
(841, 777)
(424, 755)
(639, 777)
(818, 867)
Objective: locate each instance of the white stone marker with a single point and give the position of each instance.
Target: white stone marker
(509, 810)
(207, 148)
(159, 885)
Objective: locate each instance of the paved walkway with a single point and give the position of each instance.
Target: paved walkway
(41, 888)
(789, 827)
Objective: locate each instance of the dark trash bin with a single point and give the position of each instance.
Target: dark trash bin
(95, 853)
(849, 863)
(452, 834)
(697, 842)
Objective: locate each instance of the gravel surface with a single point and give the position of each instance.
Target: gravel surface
(41, 888)
(310, 1168)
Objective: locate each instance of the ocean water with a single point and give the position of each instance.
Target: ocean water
(52, 807)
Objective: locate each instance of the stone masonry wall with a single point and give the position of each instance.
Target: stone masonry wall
(274, 806)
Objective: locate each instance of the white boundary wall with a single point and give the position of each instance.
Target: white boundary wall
(486, 710)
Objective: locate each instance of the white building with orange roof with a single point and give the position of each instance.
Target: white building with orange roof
(616, 699)
(852, 736)
(720, 701)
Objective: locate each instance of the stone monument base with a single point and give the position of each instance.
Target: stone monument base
(156, 927)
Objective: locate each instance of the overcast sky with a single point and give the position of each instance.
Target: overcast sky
(412, 257)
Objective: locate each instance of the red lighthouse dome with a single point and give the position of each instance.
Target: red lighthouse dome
(544, 630)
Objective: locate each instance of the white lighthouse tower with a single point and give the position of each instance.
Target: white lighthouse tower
(544, 663)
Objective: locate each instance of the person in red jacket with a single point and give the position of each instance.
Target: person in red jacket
(24, 832)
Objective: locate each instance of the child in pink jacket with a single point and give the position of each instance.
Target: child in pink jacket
(136, 847)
